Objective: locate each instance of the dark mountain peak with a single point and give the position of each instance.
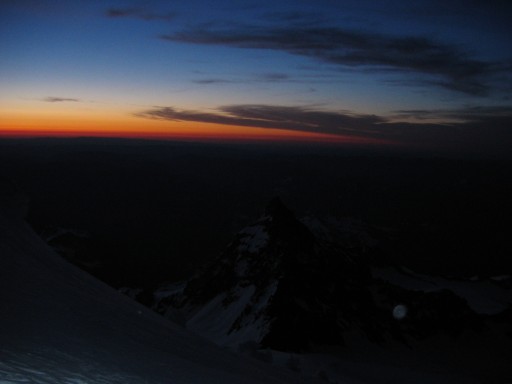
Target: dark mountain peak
(276, 209)
(284, 228)
(283, 287)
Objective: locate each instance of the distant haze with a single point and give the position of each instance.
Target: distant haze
(164, 208)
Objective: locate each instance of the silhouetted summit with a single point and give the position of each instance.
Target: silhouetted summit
(280, 286)
(276, 208)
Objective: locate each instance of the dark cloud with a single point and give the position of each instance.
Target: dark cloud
(51, 99)
(310, 18)
(212, 81)
(486, 130)
(477, 114)
(275, 117)
(274, 77)
(139, 14)
(442, 64)
(261, 77)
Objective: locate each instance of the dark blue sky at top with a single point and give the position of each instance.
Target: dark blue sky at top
(431, 62)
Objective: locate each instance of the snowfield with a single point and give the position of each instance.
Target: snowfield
(60, 325)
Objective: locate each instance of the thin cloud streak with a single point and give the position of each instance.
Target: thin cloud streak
(274, 77)
(482, 129)
(270, 77)
(477, 114)
(444, 65)
(273, 117)
(138, 14)
(212, 81)
(51, 99)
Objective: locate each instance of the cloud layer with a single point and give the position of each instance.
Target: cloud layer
(274, 117)
(478, 128)
(440, 64)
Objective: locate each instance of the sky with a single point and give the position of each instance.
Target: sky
(433, 75)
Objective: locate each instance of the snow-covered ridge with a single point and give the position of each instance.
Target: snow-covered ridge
(252, 239)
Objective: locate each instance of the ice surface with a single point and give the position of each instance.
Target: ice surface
(60, 325)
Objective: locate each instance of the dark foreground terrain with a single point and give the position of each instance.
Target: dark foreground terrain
(341, 266)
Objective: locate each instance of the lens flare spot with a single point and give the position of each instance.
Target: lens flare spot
(399, 311)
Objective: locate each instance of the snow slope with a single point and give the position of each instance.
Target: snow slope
(60, 325)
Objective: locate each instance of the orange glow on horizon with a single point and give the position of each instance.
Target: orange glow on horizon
(123, 126)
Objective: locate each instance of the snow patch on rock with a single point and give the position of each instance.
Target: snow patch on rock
(253, 239)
